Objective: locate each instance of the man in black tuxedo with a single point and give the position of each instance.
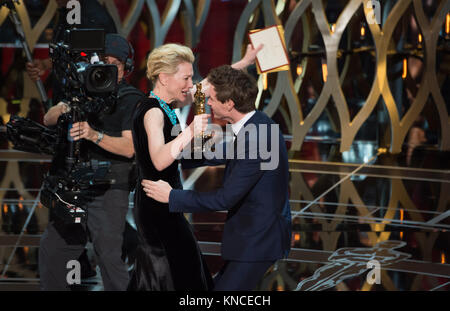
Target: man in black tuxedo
(255, 188)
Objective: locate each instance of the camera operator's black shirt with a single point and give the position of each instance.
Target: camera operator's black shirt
(120, 119)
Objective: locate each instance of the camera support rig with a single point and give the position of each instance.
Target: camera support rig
(89, 87)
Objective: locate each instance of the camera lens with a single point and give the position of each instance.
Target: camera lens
(100, 78)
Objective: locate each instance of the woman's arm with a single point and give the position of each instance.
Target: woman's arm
(163, 154)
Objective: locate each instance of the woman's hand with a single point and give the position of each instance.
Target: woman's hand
(199, 124)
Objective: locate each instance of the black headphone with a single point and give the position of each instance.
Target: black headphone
(129, 62)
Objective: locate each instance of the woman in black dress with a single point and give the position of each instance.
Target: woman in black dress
(168, 257)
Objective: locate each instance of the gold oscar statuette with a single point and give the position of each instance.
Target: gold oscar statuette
(199, 101)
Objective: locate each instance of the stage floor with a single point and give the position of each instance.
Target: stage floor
(379, 226)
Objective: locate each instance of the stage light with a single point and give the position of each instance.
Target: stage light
(447, 24)
(5, 208)
(264, 78)
(20, 203)
(402, 214)
(405, 68)
(324, 72)
(363, 32)
(299, 69)
(442, 258)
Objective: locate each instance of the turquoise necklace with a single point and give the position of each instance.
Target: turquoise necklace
(170, 112)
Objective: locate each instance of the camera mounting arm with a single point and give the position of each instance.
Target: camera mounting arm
(14, 16)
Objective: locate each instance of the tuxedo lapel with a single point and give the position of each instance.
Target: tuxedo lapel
(232, 162)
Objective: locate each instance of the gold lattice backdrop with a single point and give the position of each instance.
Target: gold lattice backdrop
(305, 24)
(308, 18)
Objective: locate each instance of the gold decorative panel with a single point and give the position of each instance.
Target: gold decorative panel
(333, 206)
(286, 87)
(192, 13)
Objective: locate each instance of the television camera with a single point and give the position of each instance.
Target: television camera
(89, 86)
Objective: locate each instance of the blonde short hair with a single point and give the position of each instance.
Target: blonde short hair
(166, 58)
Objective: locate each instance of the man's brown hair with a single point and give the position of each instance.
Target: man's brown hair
(236, 85)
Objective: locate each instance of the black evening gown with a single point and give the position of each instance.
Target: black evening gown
(168, 256)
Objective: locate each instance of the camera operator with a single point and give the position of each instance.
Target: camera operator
(93, 15)
(106, 138)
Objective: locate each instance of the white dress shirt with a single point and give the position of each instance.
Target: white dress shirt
(236, 127)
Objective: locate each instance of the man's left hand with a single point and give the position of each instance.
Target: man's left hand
(157, 190)
(81, 130)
